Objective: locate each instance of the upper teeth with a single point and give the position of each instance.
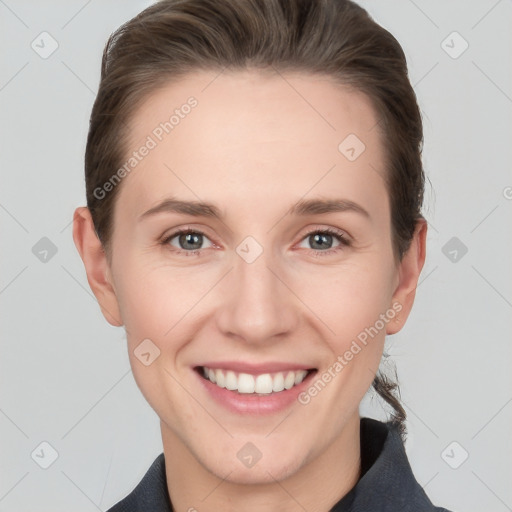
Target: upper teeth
(247, 383)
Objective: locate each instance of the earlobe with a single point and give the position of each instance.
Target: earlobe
(409, 272)
(96, 265)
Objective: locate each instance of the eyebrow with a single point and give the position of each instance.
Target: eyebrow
(302, 207)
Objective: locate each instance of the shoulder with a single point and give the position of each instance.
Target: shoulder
(387, 482)
(150, 493)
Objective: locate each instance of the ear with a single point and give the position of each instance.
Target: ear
(96, 265)
(408, 275)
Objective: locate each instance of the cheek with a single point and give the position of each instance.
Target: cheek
(153, 298)
(347, 299)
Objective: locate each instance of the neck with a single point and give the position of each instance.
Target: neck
(316, 486)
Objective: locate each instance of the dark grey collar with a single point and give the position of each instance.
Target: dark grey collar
(387, 483)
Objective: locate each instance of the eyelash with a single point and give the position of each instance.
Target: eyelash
(344, 242)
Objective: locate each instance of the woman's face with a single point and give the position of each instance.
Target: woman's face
(252, 289)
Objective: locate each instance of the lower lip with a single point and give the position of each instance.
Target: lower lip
(250, 403)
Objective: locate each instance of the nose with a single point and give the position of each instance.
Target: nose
(257, 305)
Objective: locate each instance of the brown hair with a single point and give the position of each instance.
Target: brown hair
(336, 38)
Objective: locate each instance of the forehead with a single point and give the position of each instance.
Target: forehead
(256, 135)
(257, 101)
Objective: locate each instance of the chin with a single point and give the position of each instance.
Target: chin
(275, 468)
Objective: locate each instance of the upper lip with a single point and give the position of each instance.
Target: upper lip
(255, 369)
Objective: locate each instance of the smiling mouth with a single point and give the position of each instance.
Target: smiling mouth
(246, 383)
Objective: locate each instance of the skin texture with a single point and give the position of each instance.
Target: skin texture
(254, 145)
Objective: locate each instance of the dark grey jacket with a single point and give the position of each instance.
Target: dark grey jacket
(387, 483)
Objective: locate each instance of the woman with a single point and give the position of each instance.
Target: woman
(254, 191)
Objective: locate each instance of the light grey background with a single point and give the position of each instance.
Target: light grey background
(64, 372)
